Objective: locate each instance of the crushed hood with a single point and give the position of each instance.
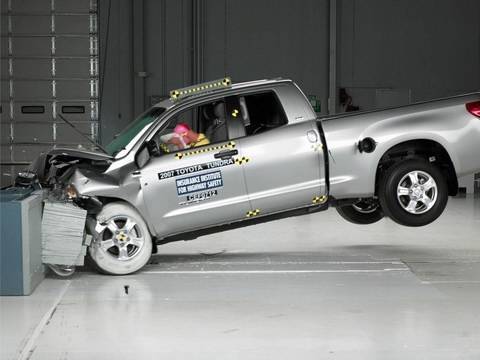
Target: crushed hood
(62, 161)
(80, 154)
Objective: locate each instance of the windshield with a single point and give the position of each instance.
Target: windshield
(140, 125)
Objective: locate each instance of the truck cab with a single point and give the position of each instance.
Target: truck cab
(264, 155)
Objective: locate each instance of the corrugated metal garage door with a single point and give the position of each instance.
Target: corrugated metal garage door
(49, 65)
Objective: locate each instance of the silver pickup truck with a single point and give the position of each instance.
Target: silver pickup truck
(257, 152)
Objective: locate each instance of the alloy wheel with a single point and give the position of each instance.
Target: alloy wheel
(417, 192)
(122, 238)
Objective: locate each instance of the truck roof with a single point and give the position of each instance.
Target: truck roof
(169, 102)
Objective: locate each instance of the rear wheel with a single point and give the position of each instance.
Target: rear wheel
(413, 192)
(363, 212)
(124, 245)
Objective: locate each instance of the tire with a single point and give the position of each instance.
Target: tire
(62, 271)
(363, 212)
(413, 192)
(124, 246)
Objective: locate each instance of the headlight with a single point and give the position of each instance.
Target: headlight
(71, 192)
(27, 175)
(26, 179)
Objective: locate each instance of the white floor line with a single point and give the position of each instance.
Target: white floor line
(27, 350)
(452, 282)
(213, 262)
(269, 271)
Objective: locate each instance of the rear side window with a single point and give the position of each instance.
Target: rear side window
(262, 112)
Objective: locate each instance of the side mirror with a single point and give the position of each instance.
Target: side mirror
(153, 148)
(142, 157)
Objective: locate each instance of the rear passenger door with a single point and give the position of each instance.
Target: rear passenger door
(283, 164)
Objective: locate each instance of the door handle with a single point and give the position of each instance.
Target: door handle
(225, 154)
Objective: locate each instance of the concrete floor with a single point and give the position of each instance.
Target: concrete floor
(312, 287)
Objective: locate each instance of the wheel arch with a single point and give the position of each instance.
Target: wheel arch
(110, 199)
(427, 149)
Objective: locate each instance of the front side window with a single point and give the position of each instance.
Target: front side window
(200, 125)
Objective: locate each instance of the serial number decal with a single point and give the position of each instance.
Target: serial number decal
(197, 197)
(195, 168)
(201, 182)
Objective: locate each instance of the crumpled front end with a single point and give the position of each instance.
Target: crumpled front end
(65, 238)
(54, 170)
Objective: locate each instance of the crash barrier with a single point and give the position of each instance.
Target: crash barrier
(21, 268)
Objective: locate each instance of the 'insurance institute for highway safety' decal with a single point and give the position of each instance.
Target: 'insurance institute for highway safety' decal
(199, 187)
(200, 182)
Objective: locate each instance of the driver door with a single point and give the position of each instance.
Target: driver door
(195, 188)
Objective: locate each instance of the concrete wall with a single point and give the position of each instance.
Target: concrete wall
(168, 46)
(250, 40)
(116, 67)
(428, 49)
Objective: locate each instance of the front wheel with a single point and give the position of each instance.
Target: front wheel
(413, 192)
(363, 212)
(124, 245)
